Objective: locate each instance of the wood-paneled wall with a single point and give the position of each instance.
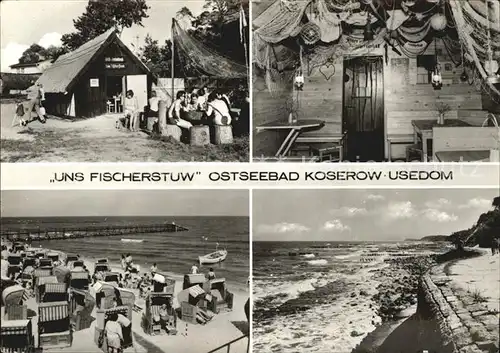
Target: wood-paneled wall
(322, 94)
(266, 107)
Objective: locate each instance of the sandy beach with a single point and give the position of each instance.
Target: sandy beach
(223, 328)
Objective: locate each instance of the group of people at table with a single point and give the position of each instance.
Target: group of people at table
(214, 108)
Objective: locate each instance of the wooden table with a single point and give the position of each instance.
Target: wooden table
(423, 128)
(463, 156)
(294, 130)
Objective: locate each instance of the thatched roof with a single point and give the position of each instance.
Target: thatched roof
(64, 72)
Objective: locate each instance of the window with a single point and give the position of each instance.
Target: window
(425, 66)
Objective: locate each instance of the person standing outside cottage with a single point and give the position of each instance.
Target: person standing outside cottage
(37, 97)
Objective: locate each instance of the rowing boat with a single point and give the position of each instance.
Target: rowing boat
(213, 258)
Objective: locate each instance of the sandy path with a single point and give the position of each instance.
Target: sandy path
(97, 140)
(481, 274)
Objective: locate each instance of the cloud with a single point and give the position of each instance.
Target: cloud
(49, 39)
(400, 210)
(336, 224)
(439, 216)
(11, 54)
(349, 211)
(439, 203)
(477, 203)
(282, 227)
(375, 197)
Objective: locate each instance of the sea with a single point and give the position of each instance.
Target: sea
(306, 294)
(173, 252)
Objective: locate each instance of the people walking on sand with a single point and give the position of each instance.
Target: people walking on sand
(211, 274)
(174, 112)
(194, 269)
(114, 334)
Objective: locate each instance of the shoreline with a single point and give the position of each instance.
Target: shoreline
(360, 308)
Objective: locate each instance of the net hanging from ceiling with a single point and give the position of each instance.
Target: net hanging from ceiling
(203, 59)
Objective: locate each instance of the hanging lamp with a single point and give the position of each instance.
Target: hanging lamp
(436, 79)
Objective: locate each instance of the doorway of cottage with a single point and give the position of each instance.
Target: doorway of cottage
(363, 108)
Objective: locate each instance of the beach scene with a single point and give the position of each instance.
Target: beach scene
(391, 271)
(180, 280)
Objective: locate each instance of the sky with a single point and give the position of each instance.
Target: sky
(24, 22)
(75, 203)
(365, 215)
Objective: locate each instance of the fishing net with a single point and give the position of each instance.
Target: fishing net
(203, 59)
(473, 47)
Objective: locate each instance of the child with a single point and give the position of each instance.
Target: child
(20, 113)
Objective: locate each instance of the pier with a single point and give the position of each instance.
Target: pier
(54, 233)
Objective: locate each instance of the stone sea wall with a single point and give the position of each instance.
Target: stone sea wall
(452, 318)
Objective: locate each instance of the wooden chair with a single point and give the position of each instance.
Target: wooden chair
(414, 150)
(322, 146)
(328, 152)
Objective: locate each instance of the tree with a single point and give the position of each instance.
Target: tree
(496, 203)
(33, 54)
(218, 27)
(100, 16)
(158, 58)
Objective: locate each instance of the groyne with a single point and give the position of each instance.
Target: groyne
(53, 233)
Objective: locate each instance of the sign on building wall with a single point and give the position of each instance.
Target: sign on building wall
(94, 82)
(115, 62)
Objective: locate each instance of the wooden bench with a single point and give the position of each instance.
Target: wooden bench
(399, 129)
(465, 139)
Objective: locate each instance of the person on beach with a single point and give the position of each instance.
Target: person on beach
(194, 269)
(114, 334)
(154, 269)
(211, 274)
(164, 317)
(123, 261)
(174, 112)
(128, 260)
